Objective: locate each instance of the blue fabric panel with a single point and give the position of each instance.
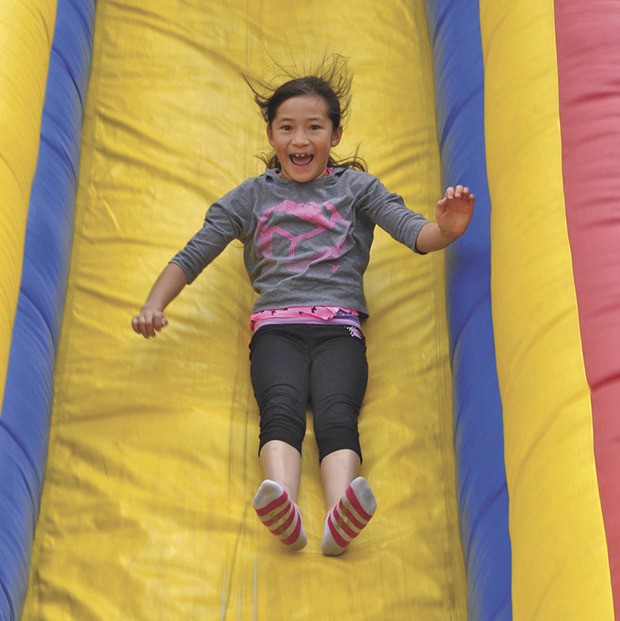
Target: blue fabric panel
(25, 420)
(454, 26)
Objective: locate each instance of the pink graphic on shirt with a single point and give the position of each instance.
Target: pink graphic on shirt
(306, 233)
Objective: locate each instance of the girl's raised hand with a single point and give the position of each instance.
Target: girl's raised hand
(148, 322)
(454, 211)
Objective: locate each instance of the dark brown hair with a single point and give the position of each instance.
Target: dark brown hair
(331, 81)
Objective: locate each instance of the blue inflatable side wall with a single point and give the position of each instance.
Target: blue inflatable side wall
(478, 430)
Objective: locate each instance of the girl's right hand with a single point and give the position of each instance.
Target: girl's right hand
(148, 322)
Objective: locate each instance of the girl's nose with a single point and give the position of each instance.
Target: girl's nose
(300, 137)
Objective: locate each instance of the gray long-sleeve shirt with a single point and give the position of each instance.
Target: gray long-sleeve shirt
(304, 243)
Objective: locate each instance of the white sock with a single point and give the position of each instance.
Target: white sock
(348, 517)
(280, 514)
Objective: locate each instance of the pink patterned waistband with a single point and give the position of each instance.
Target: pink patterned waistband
(324, 315)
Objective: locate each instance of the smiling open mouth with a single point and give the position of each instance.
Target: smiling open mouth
(301, 159)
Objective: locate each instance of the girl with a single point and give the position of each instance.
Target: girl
(307, 226)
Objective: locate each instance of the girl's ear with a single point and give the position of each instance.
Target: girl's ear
(270, 135)
(336, 137)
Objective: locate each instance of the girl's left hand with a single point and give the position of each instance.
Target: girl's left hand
(454, 211)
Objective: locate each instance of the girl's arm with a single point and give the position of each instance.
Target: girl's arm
(151, 318)
(452, 214)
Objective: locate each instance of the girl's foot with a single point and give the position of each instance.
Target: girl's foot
(348, 517)
(280, 514)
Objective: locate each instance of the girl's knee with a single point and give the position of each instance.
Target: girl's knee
(337, 430)
(282, 418)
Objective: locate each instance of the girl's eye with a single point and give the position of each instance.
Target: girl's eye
(315, 127)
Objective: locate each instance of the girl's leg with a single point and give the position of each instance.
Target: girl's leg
(279, 368)
(339, 376)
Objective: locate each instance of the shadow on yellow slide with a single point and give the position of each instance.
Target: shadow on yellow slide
(146, 511)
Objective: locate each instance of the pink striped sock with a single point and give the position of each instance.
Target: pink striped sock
(348, 517)
(280, 514)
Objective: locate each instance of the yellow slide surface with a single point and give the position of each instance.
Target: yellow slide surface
(146, 512)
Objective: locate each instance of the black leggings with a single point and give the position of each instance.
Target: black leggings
(294, 366)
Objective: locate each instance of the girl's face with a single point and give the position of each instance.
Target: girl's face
(302, 135)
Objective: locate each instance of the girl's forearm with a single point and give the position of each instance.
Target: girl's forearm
(431, 238)
(168, 285)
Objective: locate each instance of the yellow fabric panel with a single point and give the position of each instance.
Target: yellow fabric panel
(26, 30)
(146, 510)
(559, 550)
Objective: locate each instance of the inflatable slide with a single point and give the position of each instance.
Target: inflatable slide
(490, 426)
